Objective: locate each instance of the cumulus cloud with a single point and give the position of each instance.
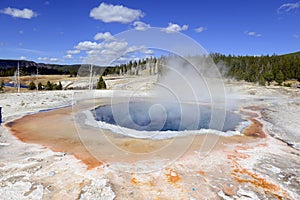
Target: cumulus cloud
(288, 7)
(103, 53)
(173, 28)
(54, 59)
(146, 51)
(296, 36)
(109, 52)
(17, 13)
(140, 26)
(23, 58)
(103, 36)
(68, 56)
(88, 45)
(115, 13)
(200, 29)
(116, 45)
(75, 51)
(253, 34)
(48, 59)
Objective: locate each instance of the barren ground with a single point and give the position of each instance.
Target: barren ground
(43, 158)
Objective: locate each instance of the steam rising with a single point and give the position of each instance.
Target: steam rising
(188, 91)
(187, 76)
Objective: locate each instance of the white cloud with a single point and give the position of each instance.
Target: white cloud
(108, 52)
(111, 52)
(147, 51)
(296, 36)
(14, 12)
(88, 45)
(75, 51)
(134, 48)
(173, 28)
(23, 58)
(42, 58)
(21, 32)
(116, 45)
(288, 7)
(200, 29)
(103, 36)
(140, 26)
(48, 59)
(253, 34)
(115, 13)
(103, 53)
(68, 56)
(53, 59)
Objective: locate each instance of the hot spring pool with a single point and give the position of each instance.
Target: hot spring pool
(147, 116)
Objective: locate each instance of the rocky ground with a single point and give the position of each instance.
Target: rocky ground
(239, 167)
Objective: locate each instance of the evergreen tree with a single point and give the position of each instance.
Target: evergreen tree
(31, 86)
(40, 86)
(261, 80)
(101, 83)
(54, 86)
(269, 77)
(49, 86)
(279, 77)
(2, 86)
(59, 87)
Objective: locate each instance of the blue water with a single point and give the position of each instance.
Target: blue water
(12, 85)
(146, 116)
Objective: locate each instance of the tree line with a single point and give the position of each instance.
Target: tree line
(261, 69)
(30, 70)
(48, 86)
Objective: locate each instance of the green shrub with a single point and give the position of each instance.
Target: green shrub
(31, 86)
(101, 83)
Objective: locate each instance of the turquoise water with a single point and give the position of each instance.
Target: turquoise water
(147, 116)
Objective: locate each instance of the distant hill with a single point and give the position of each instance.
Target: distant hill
(8, 67)
(6, 63)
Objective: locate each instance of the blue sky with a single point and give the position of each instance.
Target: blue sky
(61, 31)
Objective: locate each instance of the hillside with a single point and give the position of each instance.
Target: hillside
(7, 63)
(262, 69)
(8, 67)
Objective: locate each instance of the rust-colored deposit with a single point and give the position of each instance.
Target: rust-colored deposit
(172, 176)
(136, 182)
(229, 191)
(255, 129)
(56, 131)
(202, 173)
(243, 175)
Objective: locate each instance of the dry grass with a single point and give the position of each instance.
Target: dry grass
(25, 80)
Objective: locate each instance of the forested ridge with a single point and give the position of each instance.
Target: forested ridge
(8, 68)
(262, 69)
